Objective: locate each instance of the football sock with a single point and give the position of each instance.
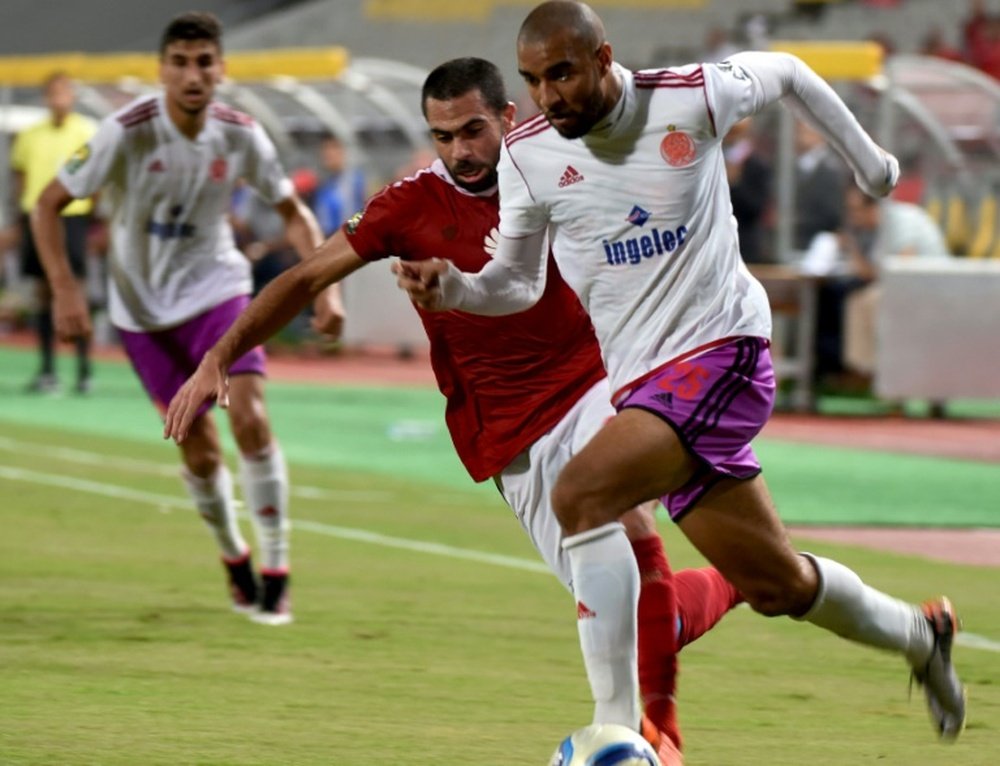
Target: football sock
(213, 497)
(657, 626)
(82, 358)
(265, 487)
(703, 597)
(606, 587)
(46, 341)
(853, 610)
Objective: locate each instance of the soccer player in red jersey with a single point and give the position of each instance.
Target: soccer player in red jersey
(524, 392)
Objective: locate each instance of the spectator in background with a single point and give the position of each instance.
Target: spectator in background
(342, 192)
(749, 177)
(718, 45)
(875, 230)
(38, 153)
(981, 36)
(260, 229)
(820, 179)
(935, 44)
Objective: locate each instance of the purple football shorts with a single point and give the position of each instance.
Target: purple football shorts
(164, 359)
(716, 402)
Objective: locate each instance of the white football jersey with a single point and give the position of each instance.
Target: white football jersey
(172, 251)
(639, 216)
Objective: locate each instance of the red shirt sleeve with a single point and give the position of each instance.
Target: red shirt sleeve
(381, 229)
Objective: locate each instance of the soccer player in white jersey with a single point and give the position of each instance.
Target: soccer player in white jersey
(520, 402)
(623, 174)
(169, 163)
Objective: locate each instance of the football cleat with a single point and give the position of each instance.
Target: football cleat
(242, 584)
(668, 753)
(275, 604)
(945, 693)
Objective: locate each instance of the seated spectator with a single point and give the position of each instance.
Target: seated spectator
(875, 230)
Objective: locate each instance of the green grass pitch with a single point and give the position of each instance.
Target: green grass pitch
(425, 632)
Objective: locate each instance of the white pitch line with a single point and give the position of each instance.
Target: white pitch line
(166, 502)
(975, 641)
(161, 469)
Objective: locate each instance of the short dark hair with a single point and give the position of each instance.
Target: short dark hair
(193, 25)
(457, 77)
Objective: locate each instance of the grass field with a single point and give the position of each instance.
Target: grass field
(425, 633)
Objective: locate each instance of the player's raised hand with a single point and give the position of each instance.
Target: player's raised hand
(421, 280)
(70, 312)
(209, 381)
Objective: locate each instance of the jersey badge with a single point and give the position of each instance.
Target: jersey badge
(156, 166)
(217, 170)
(353, 221)
(570, 176)
(638, 216)
(677, 148)
(78, 159)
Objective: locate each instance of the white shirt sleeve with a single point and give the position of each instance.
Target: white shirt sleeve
(90, 166)
(520, 215)
(512, 282)
(747, 82)
(263, 168)
(514, 279)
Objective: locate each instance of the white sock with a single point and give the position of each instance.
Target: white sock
(606, 586)
(213, 497)
(853, 610)
(265, 488)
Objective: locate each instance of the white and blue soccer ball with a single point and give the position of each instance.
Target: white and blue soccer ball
(604, 745)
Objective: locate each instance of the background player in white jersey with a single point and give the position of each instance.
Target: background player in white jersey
(624, 173)
(169, 163)
(519, 402)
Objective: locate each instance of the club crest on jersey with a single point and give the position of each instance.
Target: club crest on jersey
(77, 159)
(217, 170)
(638, 216)
(677, 148)
(353, 221)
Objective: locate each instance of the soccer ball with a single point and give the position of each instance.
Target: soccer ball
(604, 745)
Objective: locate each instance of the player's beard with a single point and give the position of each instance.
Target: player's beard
(488, 181)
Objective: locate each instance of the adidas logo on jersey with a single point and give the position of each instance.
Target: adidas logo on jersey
(584, 612)
(570, 176)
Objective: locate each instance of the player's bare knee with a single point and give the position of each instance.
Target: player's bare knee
(202, 462)
(251, 429)
(790, 592)
(580, 508)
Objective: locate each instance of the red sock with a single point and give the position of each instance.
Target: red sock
(703, 597)
(657, 635)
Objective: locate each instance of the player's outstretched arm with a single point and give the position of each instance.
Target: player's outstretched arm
(275, 306)
(69, 304)
(511, 282)
(784, 76)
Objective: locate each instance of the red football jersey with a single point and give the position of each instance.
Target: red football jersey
(507, 379)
